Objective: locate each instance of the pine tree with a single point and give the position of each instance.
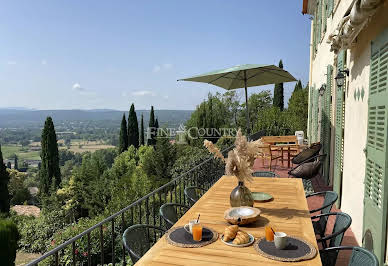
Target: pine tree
(123, 141)
(133, 128)
(151, 127)
(4, 193)
(141, 131)
(15, 164)
(49, 172)
(278, 94)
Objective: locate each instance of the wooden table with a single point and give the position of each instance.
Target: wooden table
(288, 212)
(287, 148)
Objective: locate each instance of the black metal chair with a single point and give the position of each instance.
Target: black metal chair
(307, 154)
(359, 256)
(307, 169)
(330, 197)
(139, 238)
(194, 194)
(265, 174)
(171, 212)
(342, 223)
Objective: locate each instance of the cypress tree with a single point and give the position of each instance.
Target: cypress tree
(4, 193)
(298, 86)
(15, 164)
(156, 124)
(151, 127)
(142, 131)
(49, 173)
(123, 141)
(9, 165)
(278, 94)
(133, 128)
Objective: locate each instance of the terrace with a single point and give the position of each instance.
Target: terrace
(102, 243)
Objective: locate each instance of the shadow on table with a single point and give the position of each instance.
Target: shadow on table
(286, 213)
(262, 221)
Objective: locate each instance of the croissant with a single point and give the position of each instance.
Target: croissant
(241, 238)
(230, 232)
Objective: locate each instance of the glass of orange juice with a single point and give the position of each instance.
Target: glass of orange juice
(269, 233)
(197, 232)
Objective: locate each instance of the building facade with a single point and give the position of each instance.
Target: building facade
(349, 38)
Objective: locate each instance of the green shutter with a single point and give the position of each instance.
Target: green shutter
(376, 185)
(330, 6)
(314, 49)
(310, 113)
(319, 21)
(314, 120)
(324, 11)
(339, 131)
(326, 125)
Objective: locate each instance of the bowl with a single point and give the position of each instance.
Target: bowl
(242, 215)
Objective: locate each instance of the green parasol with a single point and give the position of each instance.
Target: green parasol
(244, 76)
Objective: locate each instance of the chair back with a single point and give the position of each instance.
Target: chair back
(291, 139)
(310, 152)
(329, 200)
(171, 212)
(361, 256)
(193, 194)
(264, 174)
(342, 223)
(139, 238)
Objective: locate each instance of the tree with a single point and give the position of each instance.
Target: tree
(278, 94)
(9, 165)
(151, 139)
(15, 164)
(49, 173)
(133, 128)
(257, 103)
(4, 180)
(273, 121)
(141, 140)
(123, 141)
(297, 111)
(156, 124)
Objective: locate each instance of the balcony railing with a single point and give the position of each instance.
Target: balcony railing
(144, 210)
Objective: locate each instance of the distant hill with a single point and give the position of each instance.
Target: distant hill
(16, 118)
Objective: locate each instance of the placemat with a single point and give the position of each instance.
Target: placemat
(177, 236)
(297, 249)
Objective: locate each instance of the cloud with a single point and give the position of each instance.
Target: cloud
(165, 97)
(158, 68)
(44, 62)
(143, 93)
(77, 87)
(11, 63)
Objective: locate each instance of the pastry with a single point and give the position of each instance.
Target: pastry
(230, 232)
(241, 238)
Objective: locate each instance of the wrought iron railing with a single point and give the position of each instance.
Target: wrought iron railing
(144, 210)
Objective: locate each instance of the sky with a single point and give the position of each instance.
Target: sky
(107, 54)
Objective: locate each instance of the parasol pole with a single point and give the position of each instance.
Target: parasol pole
(246, 103)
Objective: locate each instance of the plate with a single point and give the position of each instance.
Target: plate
(261, 196)
(230, 242)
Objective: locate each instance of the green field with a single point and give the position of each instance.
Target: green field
(9, 150)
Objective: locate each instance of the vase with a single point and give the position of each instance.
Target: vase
(241, 196)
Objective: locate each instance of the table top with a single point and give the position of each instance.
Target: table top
(288, 213)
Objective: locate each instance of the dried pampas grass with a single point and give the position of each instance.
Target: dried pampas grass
(240, 160)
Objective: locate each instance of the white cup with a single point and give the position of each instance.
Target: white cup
(280, 240)
(191, 225)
